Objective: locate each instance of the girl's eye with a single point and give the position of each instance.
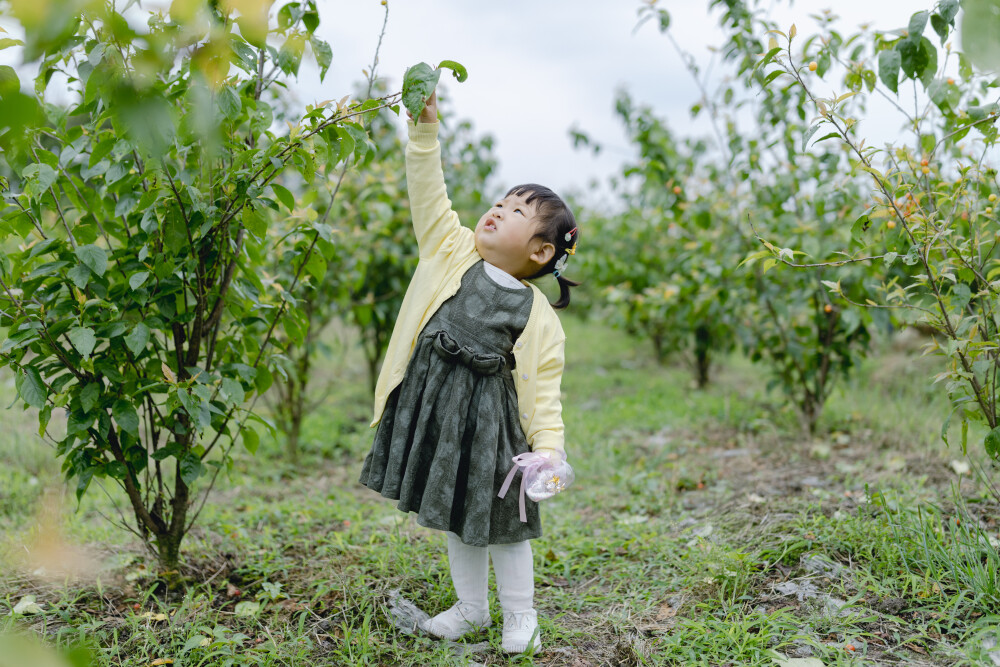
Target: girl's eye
(499, 205)
(517, 210)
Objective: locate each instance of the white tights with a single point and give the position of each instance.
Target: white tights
(512, 566)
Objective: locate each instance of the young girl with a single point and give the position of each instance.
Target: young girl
(470, 380)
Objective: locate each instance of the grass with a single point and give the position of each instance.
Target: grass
(703, 528)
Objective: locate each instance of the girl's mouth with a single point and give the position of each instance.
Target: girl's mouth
(490, 225)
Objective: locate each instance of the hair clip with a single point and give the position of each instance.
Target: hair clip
(571, 251)
(569, 235)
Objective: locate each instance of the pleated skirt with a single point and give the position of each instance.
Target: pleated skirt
(445, 442)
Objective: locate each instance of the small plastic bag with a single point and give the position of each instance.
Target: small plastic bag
(546, 479)
(541, 477)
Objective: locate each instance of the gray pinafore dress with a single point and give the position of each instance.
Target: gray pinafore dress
(449, 431)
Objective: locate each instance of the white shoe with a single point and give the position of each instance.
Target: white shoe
(521, 632)
(460, 620)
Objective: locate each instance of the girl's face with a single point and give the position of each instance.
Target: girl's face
(505, 237)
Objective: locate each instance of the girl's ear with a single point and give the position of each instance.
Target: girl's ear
(543, 254)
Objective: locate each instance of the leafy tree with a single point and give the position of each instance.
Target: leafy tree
(662, 260)
(133, 224)
(763, 181)
(932, 197)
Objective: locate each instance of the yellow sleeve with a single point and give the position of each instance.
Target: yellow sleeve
(548, 423)
(434, 221)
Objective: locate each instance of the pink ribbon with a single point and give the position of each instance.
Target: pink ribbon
(527, 461)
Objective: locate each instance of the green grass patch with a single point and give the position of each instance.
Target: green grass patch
(703, 528)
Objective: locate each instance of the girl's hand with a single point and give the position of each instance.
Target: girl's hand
(430, 112)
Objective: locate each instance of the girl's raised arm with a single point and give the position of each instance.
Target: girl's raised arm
(434, 221)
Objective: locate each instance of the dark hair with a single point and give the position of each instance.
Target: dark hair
(556, 225)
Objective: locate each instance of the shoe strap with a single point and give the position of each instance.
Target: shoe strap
(519, 619)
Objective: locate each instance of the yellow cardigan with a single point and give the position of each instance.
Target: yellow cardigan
(447, 250)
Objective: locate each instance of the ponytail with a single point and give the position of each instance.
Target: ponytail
(564, 285)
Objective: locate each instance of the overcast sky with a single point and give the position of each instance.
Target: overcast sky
(539, 67)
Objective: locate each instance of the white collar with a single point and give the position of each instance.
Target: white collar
(501, 277)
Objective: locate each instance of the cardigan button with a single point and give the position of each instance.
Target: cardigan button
(524, 415)
(524, 376)
(519, 345)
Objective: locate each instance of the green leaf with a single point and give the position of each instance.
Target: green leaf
(346, 144)
(316, 266)
(419, 82)
(808, 135)
(860, 226)
(456, 68)
(926, 75)
(992, 443)
(917, 24)
(191, 467)
(889, 62)
(250, 439)
(137, 339)
(233, 390)
(80, 275)
(126, 417)
(31, 388)
(83, 482)
(93, 257)
(284, 196)
(229, 102)
(44, 415)
(772, 76)
(9, 83)
(948, 10)
(254, 222)
(83, 340)
(137, 279)
(290, 55)
(289, 14)
(173, 449)
(42, 175)
(940, 27)
(310, 20)
(263, 380)
(323, 53)
(89, 395)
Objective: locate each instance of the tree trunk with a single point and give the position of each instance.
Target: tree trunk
(295, 428)
(658, 347)
(169, 550)
(702, 352)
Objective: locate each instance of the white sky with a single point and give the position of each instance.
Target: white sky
(539, 67)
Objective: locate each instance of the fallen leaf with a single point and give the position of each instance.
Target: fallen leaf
(247, 608)
(27, 605)
(161, 661)
(665, 612)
